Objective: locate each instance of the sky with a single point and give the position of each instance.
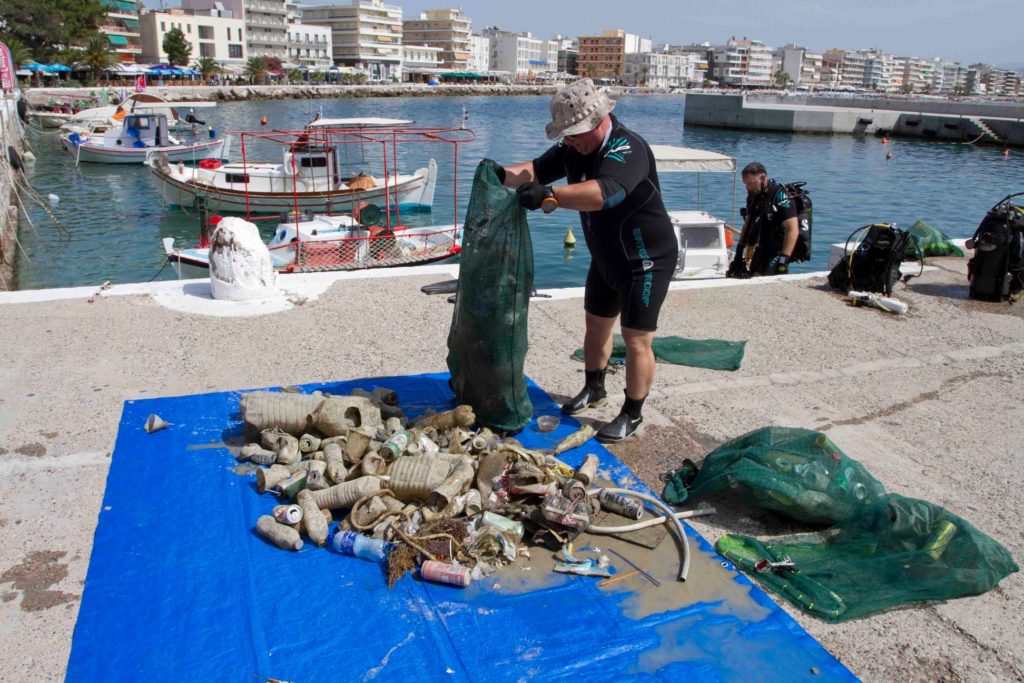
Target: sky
(964, 30)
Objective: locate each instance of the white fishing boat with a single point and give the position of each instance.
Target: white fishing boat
(324, 169)
(86, 120)
(139, 136)
(705, 242)
(320, 243)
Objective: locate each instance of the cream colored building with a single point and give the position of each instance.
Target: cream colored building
(447, 29)
(221, 38)
(662, 70)
(266, 26)
(479, 54)
(309, 45)
(366, 35)
(419, 62)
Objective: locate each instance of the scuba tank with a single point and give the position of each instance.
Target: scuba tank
(996, 271)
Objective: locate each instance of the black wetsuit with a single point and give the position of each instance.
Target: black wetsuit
(633, 247)
(766, 212)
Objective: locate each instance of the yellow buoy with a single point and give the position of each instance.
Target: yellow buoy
(570, 239)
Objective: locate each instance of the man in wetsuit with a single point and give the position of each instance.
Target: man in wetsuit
(613, 184)
(770, 226)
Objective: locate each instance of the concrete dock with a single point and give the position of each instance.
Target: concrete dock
(926, 119)
(929, 402)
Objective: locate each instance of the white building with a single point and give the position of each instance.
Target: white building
(949, 77)
(479, 54)
(266, 28)
(421, 61)
(801, 65)
(366, 35)
(309, 46)
(635, 45)
(879, 72)
(663, 70)
(742, 63)
(447, 29)
(521, 54)
(220, 38)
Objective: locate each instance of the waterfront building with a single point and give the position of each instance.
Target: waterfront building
(479, 60)
(879, 69)
(219, 37)
(663, 70)
(831, 68)
(520, 54)
(996, 81)
(948, 77)
(309, 45)
(420, 62)
(801, 65)
(266, 28)
(568, 55)
(917, 74)
(741, 63)
(447, 29)
(604, 56)
(365, 35)
(121, 27)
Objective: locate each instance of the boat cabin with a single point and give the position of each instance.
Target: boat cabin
(140, 131)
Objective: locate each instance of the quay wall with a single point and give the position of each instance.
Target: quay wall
(1010, 110)
(839, 117)
(12, 134)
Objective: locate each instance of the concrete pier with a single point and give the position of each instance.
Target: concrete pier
(950, 121)
(12, 135)
(928, 402)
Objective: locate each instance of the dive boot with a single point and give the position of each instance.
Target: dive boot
(629, 422)
(592, 396)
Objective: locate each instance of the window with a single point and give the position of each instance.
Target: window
(163, 26)
(313, 162)
(229, 33)
(235, 51)
(207, 50)
(236, 178)
(206, 33)
(188, 28)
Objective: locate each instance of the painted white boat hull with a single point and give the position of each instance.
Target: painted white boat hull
(99, 154)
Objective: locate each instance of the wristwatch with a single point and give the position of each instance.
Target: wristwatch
(549, 203)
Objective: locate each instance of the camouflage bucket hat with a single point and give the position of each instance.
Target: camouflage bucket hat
(577, 108)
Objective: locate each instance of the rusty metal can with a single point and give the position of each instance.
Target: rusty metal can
(620, 504)
(442, 572)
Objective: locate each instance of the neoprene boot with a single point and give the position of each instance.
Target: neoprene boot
(628, 423)
(592, 396)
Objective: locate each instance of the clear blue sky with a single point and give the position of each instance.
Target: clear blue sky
(964, 30)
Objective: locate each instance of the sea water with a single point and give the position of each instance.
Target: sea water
(115, 219)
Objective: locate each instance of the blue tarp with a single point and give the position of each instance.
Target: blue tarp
(179, 587)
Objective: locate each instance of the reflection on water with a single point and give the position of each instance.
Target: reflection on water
(117, 220)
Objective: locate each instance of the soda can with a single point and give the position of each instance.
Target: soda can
(288, 514)
(442, 572)
(620, 504)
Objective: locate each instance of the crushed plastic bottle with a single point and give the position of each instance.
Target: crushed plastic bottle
(357, 545)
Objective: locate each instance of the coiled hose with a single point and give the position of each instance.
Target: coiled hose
(684, 564)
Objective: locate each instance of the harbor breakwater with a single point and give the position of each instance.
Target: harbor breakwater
(12, 137)
(978, 122)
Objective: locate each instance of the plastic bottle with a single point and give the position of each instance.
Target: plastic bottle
(351, 543)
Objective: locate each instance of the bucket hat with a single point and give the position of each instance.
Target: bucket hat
(577, 108)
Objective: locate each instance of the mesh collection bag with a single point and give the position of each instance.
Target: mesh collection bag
(487, 340)
(894, 551)
(797, 472)
(933, 242)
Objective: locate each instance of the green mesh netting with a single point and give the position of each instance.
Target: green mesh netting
(933, 242)
(797, 472)
(714, 354)
(892, 552)
(487, 340)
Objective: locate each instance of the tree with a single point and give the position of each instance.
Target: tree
(19, 52)
(207, 67)
(96, 56)
(296, 75)
(256, 70)
(782, 79)
(177, 47)
(43, 26)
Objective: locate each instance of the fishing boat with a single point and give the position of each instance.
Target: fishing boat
(324, 169)
(371, 234)
(59, 109)
(705, 241)
(139, 136)
(87, 120)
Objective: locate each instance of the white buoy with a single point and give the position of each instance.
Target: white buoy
(27, 155)
(54, 199)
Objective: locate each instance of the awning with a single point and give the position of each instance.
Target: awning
(117, 40)
(670, 158)
(131, 23)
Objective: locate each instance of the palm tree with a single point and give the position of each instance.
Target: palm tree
(256, 70)
(96, 56)
(19, 52)
(296, 75)
(207, 67)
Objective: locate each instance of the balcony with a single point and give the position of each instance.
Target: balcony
(275, 8)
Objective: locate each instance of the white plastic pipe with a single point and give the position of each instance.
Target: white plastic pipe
(684, 565)
(648, 523)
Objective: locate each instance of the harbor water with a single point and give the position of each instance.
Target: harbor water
(114, 220)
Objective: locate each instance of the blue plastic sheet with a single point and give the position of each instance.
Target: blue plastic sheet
(180, 588)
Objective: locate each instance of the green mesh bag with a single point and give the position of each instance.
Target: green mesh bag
(797, 472)
(933, 242)
(714, 354)
(895, 551)
(487, 340)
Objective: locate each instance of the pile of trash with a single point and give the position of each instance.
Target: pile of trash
(430, 493)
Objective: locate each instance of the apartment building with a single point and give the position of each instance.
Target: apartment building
(479, 60)
(217, 37)
(121, 27)
(448, 29)
(266, 26)
(741, 63)
(801, 65)
(365, 35)
(604, 56)
(879, 70)
(663, 70)
(520, 54)
(948, 77)
(419, 62)
(917, 74)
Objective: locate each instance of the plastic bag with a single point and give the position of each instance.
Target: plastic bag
(488, 337)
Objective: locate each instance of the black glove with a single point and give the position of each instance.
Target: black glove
(498, 171)
(738, 268)
(532, 195)
(779, 265)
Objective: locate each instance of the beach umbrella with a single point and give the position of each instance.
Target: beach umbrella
(57, 67)
(34, 66)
